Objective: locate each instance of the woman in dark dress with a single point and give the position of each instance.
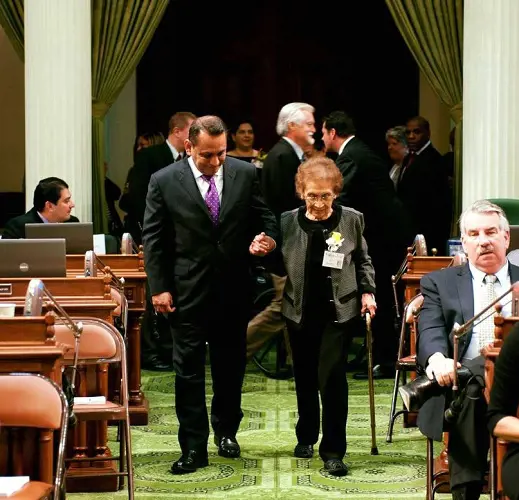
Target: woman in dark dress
(330, 283)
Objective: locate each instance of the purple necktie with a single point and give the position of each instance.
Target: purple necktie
(211, 199)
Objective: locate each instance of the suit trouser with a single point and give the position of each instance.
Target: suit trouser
(225, 335)
(319, 356)
(268, 322)
(469, 440)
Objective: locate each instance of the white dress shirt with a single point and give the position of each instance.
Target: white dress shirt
(478, 286)
(202, 184)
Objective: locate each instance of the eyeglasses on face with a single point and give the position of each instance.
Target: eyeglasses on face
(323, 197)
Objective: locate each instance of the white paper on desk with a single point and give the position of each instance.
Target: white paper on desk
(90, 400)
(11, 484)
(99, 244)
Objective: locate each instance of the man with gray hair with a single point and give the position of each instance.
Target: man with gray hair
(296, 126)
(455, 295)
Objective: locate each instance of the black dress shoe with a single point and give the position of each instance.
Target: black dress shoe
(154, 364)
(304, 451)
(379, 372)
(227, 446)
(189, 463)
(336, 467)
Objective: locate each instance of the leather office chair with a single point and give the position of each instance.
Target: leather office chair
(406, 362)
(102, 343)
(35, 402)
(510, 206)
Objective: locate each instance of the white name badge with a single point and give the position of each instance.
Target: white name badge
(333, 259)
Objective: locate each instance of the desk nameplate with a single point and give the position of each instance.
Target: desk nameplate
(6, 289)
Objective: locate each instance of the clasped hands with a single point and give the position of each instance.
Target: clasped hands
(441, 368)
(262, 245)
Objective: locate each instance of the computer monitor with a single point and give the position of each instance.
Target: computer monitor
(79, 236)
(39, 258)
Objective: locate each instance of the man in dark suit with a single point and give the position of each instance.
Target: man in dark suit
(52, 202)
(423, 186)
(150, 160)
(454, 295)
(204, 217)
(296, 127)
(156, 343)
(368, 189)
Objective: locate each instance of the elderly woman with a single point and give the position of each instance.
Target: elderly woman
(330, 282)
(397, 149)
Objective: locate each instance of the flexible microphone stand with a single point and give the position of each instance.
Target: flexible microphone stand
(459, 331)
(419, 247)
(92, 264)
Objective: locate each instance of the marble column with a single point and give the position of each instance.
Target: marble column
(490, 100)
(58, 98)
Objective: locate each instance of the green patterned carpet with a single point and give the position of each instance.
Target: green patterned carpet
(267, 470)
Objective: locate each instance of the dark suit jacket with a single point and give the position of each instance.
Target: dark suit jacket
(424, 191)
(147, 162)
(448, 299)
(368, 189)
(190, 258)
(15, 228)
(278, 178)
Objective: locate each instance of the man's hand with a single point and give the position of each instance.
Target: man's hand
(441, 368)
(163, 302)
(261, 245)
(368, 304)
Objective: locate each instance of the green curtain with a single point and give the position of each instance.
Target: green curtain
(11, 20)
(121, 32)
(433, 31)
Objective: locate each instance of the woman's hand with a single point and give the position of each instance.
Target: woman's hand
(368, 304)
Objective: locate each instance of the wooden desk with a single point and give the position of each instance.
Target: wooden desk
(78, 296)
(503, 326)
(28, 345)
(88, 437)
(131, 268)
(418, 266)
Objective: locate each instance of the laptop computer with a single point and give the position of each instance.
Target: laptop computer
(79, 236)
(33, 258)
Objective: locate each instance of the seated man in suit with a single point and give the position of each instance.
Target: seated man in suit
(454, 295)
(52, 202)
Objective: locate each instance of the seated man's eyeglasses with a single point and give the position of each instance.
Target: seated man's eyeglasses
(323, 197)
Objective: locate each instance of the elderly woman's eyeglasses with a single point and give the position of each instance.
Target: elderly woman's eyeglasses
(312, 198)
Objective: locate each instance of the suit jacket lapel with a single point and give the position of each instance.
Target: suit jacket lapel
(514, 273)
(465, 292)
(229, 190)
(187, 180)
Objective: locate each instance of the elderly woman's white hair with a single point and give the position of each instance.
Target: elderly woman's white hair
(484, 207)
(292, 113)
